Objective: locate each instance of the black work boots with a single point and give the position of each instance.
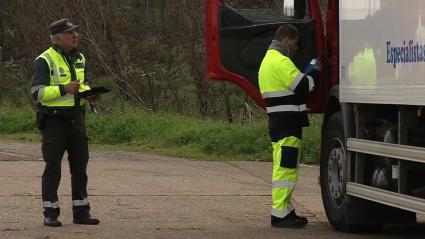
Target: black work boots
(52, 222)
(292, 220)
(84, 220)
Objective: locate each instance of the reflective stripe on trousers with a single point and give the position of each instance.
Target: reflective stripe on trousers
(286, 156)
(77, 203)
(48, 204)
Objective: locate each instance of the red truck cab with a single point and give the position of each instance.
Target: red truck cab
(235, 46)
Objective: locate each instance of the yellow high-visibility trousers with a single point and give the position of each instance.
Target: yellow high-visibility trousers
(286, 157)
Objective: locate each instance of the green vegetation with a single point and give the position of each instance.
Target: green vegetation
(144, 69)
(168, 134)
(311, 140)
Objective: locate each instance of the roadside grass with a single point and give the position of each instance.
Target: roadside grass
(311, 140)
(167, 134)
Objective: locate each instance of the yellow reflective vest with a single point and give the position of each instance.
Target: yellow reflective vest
(60, 74)
(284, 89)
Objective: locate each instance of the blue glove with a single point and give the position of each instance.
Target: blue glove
(314, 65)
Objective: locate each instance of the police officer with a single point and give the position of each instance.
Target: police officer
(59, 74)
(285, 89)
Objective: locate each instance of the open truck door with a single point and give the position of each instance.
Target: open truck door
(236, 45)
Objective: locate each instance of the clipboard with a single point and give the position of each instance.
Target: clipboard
(93, 91)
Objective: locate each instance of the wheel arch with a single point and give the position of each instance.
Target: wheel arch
(333, 105)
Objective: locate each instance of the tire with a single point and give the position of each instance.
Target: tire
(359, 215)
(332, 187)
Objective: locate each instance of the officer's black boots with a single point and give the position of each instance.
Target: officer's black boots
(52, 222)
(85, 219)
(292, 220)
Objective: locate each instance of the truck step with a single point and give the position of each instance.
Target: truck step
(397, 151)
(386, 197)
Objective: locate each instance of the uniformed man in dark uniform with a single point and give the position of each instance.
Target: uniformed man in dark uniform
(59, 75)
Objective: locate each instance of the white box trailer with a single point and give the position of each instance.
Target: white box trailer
(382, 88)
(371, 94)
(382, 51)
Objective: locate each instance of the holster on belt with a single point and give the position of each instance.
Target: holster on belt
(41, 115)
(69, 114)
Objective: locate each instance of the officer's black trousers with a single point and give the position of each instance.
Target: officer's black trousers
(59, 135)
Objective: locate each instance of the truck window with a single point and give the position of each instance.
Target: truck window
(239, 32)
(247, 33)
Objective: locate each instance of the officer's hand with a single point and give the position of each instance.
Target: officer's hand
(93, 98)
(72, 87)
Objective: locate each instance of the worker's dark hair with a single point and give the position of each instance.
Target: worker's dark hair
(286, 30)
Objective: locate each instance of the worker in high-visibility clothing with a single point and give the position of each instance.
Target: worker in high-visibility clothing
(59, 74)
(285, 89)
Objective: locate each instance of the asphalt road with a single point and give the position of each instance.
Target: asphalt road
(144, 196)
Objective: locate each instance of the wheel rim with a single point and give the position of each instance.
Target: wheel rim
(336, 165)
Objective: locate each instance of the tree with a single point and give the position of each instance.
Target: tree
(150, 51)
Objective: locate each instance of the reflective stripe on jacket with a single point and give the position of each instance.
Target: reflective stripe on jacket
(285, 89)
(60, 74)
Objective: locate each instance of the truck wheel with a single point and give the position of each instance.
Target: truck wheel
(332, 166)
(367, 216)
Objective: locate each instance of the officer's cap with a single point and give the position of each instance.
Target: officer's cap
(60, 26)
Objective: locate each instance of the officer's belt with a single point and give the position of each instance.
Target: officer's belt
(68, 113)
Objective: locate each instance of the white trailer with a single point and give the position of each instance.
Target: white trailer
(381, 152)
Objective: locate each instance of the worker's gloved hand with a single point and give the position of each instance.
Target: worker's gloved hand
(315, 65)
(313, 70)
